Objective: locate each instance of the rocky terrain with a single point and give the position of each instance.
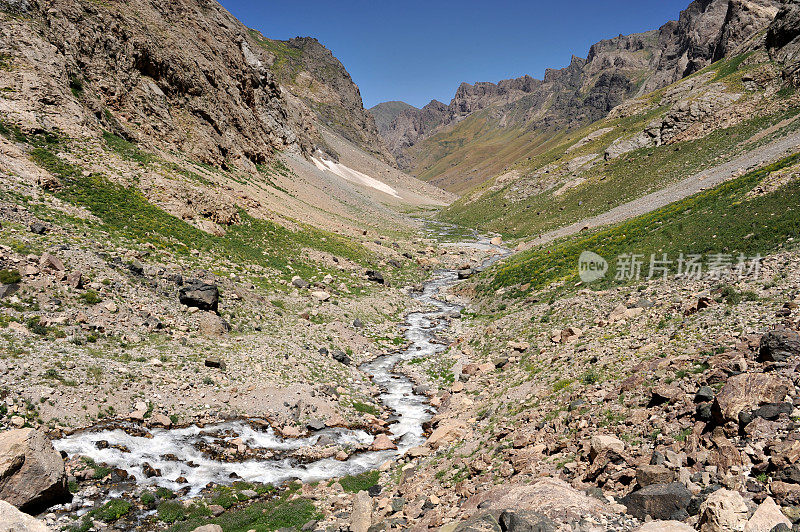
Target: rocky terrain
(222, 310)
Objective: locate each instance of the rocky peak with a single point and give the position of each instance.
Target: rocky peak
(309, 71)
(613, 71)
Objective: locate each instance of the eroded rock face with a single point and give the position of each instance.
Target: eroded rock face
(32, 475)
(746, 392)
(783, 39)
(613, 71)
(145, 74)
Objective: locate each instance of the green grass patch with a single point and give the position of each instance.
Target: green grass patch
(720, 220)
(361, 482)
(260, 516)
(10, 277)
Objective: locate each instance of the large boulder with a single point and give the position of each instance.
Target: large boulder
(361, 519)
(196, 293)
(723, 511)
(12, 520)
(32, 475)
(748, 391)
(659, 501)
(766, 517)
(548, 497)
(779, 345)
(212, 325)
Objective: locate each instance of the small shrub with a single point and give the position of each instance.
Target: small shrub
(90, 297)
(147, 498)
(561, 384)
(171, 511)
(113, 510)
(10, 277)
(365, 408)
(165, 493)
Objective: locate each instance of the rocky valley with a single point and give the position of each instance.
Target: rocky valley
(232, 299)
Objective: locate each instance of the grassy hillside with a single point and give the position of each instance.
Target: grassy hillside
(558, 182)
(726, 219)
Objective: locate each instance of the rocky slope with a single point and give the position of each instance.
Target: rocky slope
(311, 73)
(586, 90)
(186, 76)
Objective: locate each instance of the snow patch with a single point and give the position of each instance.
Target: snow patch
(354, 176)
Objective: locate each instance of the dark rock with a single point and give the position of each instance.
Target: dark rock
(299, 282)
(8, 289)
(773, 410)
(357, 323)
(375, 490)
(149, 471)
(779, 345)
(199, 294)
(375, 277)
(525, 521)
(37, 228)
(704, 395)
(703, 412)
(660, 501)
(214, 363)
(342, 357)
(576, 404)
(136, 268)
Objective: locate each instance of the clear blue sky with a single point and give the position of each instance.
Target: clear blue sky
(417, 51)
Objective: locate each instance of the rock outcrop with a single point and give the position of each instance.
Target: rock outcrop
(32, 473)
(613, 71)
(12, 520)
(183, 76)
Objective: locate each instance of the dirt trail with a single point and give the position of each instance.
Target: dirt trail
(682, 189)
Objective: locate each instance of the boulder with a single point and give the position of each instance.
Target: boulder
(723, 511)
(549, 497)
(647, 475)
(766, 517)
(665, 526)
(12, 520)
(375, 277)
(603, 442)
(382, 443)
(50, 262)
(32, 475)
(779, 346)
(361, 519)
(299, 282)
(525, 521)
(212, 325)
(659, 501)
(208, 528)
(320, 295)
(341, 357)
(447, 432)
(748, 391)
(196, 293)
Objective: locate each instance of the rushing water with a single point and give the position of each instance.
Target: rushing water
(178, 452)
